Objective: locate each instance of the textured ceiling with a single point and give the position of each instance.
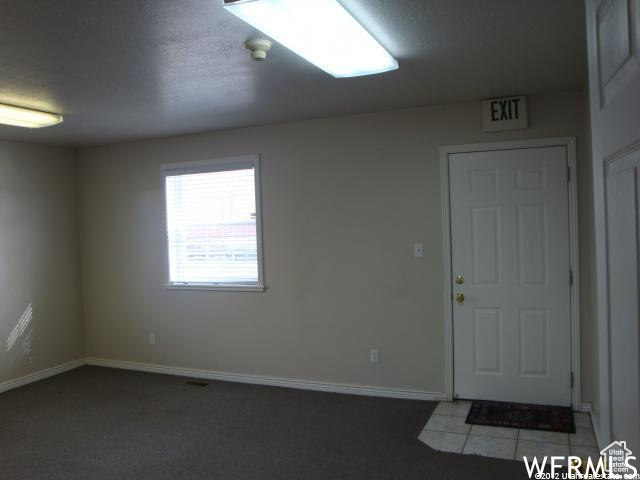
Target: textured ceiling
(128, 69)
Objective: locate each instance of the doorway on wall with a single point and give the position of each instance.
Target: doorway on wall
(511, 297)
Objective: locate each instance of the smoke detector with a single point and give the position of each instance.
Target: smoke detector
(258, 47)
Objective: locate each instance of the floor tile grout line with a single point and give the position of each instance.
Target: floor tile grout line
(443, 431)
(465, 442)
(490, 436)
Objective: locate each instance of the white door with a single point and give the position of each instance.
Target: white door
(510, 247)
(614, 83)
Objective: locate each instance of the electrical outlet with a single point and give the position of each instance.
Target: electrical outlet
(152, 339)
(374, 355)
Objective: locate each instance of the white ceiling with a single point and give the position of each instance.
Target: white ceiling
(129, 69)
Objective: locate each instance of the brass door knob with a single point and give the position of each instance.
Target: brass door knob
(459, 297)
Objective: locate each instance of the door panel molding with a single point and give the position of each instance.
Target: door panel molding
(616, 34)
(445, 151)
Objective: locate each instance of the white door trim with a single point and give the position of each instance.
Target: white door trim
(445, 151)
(605, 413)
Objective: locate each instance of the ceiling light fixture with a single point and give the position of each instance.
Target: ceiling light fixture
(321, 31)
(25, 117)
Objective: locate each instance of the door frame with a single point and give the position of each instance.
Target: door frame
(570, 144)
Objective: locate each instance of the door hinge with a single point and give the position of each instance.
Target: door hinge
(570, 277)
(568, 174)
(571, 379)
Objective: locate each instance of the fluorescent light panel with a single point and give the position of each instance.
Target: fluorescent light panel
(321, 31)
(25, 117)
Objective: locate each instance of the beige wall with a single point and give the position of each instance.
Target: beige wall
(38, 258)
(344, 200)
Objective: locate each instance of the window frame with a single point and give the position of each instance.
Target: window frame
(206, 166)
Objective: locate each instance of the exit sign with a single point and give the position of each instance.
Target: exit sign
(507, 113)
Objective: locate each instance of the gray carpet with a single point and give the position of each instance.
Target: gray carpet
(100, 423)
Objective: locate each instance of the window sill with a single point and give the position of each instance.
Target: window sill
(221, 288)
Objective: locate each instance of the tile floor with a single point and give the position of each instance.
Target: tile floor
(447, 431)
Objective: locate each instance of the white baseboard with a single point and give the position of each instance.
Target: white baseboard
(588, 408)
(585, 407)
(252, 379)
(271, 381)
(40, 375)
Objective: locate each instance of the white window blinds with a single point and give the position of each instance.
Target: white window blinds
(212, 225)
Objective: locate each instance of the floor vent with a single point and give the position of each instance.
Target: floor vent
(197, 384)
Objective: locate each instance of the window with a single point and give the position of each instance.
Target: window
(213, 224)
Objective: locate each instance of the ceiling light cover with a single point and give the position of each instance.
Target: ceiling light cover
(321, 31)
(25, 117)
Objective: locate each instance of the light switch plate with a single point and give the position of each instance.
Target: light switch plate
(418, 250)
